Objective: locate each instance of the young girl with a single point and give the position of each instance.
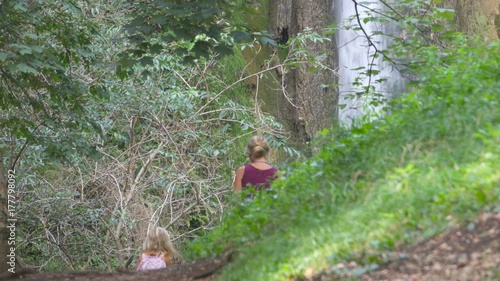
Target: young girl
(157, 250)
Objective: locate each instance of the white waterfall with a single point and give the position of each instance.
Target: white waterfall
(354, 53)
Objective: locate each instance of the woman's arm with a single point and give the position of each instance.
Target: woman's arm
(238, 178)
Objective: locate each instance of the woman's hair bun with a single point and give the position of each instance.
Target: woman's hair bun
(257, 147)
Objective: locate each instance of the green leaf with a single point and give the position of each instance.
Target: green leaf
(156, 49)
(177, 12)
(158, 20)
(445, 13)
(268, 41)
(144, 61)
(241, 36)
(22, 67)
(4, 56)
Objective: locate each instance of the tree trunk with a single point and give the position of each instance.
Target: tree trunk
(317, 102)
(476, 16)
(315, 105)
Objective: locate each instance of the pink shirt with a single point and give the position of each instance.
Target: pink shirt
(152, 262)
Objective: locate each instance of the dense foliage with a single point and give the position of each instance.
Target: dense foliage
(431, 163)
(117, 115)
(43, 94)
(102, 152)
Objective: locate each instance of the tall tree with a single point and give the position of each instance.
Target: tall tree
(313, 98)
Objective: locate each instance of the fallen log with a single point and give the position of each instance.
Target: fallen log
(197, 270)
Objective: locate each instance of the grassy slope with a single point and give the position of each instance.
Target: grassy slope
(433, 162)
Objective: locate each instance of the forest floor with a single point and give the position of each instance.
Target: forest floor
(467, 253)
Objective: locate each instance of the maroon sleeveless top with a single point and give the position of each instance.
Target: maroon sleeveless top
(259, 179)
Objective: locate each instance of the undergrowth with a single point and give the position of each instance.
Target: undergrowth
(432, 162)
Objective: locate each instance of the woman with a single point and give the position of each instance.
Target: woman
(258, 174)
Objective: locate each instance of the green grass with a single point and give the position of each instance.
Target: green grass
(433, 162)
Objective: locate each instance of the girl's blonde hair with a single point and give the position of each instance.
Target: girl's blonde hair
(158, 241)
(257, 147)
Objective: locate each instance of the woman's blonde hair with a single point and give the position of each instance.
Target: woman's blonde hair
(257, 147)
(158, 241)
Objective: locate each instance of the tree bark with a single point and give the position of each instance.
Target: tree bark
(476, 16)
(315, 105)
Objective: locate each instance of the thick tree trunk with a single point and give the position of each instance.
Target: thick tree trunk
(315, 105)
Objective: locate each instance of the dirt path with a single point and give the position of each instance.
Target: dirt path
(467, 253)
